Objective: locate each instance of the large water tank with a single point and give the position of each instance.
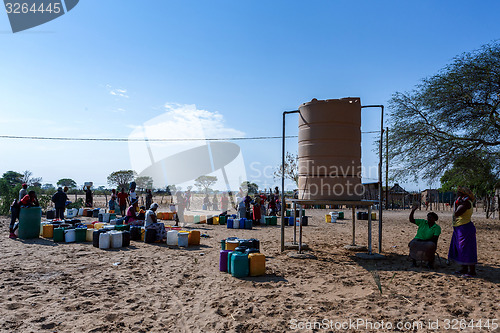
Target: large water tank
(330, 149)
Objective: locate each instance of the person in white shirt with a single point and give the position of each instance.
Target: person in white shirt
(152, 222)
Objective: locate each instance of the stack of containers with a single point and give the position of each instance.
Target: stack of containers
(241, 258)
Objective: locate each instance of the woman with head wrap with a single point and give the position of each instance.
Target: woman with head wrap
(463, 246)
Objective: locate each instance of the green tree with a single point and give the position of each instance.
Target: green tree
(250, 188)
(121, 179)
(70, 183)
(8, 193)
(475, 171)
(291, 169)
(48, 187)
(13, 178)
(448, 115)
(144, 182)
(204, 182)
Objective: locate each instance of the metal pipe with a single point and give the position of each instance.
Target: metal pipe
(369, 229)
(300, 228)
(283, 181)
(353, 225)
(294, 225)
(379, 174)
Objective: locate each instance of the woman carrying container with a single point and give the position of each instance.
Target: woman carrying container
(463, 246)
(423, 246)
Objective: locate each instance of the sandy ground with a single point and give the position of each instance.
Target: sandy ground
(49, 287)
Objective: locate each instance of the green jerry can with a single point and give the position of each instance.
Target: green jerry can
(59, 235)
(239, 264)
(80, 235)
(30, 220)
(222, 219)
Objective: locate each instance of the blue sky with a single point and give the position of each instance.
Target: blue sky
(109, 66)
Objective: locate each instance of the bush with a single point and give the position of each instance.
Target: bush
(77, 204)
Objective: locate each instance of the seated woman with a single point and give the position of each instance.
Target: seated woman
(29, 200)
(152, 222)
(423, 246)
(132, 217)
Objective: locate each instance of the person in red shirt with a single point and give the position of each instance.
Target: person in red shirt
(122, 201)
(29, 200)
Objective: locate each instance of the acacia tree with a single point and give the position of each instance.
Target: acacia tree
(204, 182)
(448, 115)
(144, 182)
(66, 182)
(121, 179)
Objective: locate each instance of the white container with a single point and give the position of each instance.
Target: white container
(102, 211)
(104, 240)
(70, 213)
(69, 236)
(80, 212)
(109, 227)
(116, 239)
(105, 217)
(89, 236)
(172, 208)
(236, 223)
(87, 184)
(182, 239)
(172, 237)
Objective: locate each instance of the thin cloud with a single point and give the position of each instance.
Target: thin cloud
(118, 92)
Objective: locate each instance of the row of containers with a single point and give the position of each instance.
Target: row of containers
(241, 257)
(332, 217)
(105, 236)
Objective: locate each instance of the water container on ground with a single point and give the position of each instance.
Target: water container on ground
(104, 240)
(135, 233)
(291, 220)
(196, 219)
(95, 212)
(70, 213)
(223, 244)
(255, 243)
(229, 255)
(241, 224)
(80, 212)
(216, 220)
(241, 249)
(274, 220)
(222, 219)
(89, 235)
(223, 260)
(98, 225)
(51, 214)
(194, 237)
(305, 221)
(248, 224)
(125, 238)
(95, 237)
(236, 224)
(172, 238)
(257, 264)
(239, 265)
(59, 235)
(230, 224)
(244, 242)
(183, 239)
(210, 219)
(48, 231)
(80, 235)
(69, 235)
(29, 222)
(116, 239)
(150, 236)
(232, 244)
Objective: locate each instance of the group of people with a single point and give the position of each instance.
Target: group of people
(463, 245)
(260, 205)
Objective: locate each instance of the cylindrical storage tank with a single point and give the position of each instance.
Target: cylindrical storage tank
(116, 239)
(172, 238)
(183, 239)
(30, 220)
(330, 149)
(104, 240)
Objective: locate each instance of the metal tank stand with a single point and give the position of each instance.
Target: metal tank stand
(352, 204)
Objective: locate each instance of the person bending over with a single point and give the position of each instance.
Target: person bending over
(423, 246)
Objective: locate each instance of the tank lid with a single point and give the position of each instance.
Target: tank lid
(339, 100)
